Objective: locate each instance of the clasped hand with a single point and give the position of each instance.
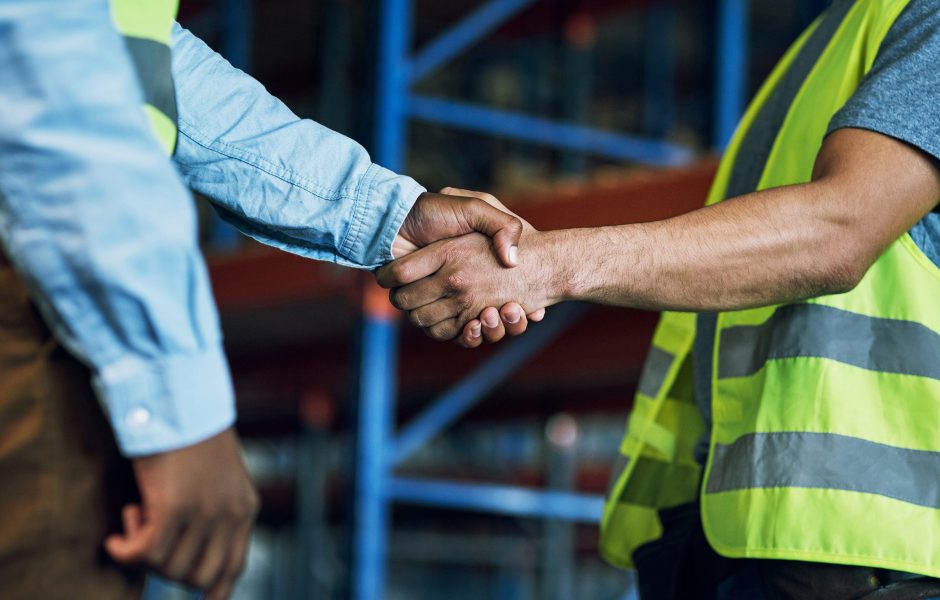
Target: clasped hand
(451, 287)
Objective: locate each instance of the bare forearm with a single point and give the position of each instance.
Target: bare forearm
(766, 248)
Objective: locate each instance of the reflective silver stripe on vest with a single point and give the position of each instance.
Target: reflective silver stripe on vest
(814, 330)
(827, 461)
(153, 64)
(655, 370)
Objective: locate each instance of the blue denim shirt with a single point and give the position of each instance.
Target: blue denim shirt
(102, 227)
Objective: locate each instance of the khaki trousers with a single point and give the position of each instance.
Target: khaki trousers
(62, 481)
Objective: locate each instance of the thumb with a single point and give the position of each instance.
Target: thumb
(488, 198)
(146, 539)
(494, 202)
(505, 229)
(121, 546)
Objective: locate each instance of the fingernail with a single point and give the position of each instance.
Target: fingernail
(475, 330)
(512, 317)
(514, 255)
(490, 321)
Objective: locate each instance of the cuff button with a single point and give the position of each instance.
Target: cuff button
(138, 417)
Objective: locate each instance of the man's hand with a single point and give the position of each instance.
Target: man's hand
(193, 525)
(493, 325)
(452, 213)
(451, 282)
(438, 212)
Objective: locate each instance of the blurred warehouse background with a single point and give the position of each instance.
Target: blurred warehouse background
(454, 519)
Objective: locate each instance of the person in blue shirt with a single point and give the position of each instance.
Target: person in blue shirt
(102, 280)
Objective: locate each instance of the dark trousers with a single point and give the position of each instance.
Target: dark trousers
(682, 565)
(62, 481)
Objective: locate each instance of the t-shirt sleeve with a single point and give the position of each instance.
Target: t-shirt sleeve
(900, 95)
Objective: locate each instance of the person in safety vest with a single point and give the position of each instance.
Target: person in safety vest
(784, 441)
(108, 112)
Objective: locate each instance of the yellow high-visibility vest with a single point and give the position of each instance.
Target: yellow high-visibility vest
(146, 26)
(825, 442)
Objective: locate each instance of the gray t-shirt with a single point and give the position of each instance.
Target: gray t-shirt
(899, 97)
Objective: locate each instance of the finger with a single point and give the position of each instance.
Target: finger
(418, 294)
(471, 336)
(493, 329)
(209, 568)
(513, 318)
(186, 552)
(148, 542)
(537, 315)
(412, 267)
(488, 198)
(445, 330)
(511, 258)
(133, 519)
(237, 559)
(503, 227)
(432, 314)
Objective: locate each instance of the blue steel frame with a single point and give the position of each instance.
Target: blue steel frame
(379, 449)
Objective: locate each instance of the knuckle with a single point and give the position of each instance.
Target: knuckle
(399, 299)
(442, 332)
(456, 281)
(416, 319)
(398, 271)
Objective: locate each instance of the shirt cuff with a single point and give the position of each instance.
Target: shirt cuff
(160, 405)
(383, 201)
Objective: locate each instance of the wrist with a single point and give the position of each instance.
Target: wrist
(560, 276)
(586, 264)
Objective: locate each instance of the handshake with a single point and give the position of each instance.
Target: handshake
(458, 272)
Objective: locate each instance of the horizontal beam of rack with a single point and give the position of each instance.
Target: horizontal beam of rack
(548, 133)
(501, 499)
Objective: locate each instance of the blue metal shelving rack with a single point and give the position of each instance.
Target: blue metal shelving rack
(380, 449)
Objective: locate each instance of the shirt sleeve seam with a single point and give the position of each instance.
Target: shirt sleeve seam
(355, 222)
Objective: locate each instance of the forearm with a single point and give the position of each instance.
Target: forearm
(288, 182)
(770, 247)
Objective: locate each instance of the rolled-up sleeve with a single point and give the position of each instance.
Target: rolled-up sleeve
(100, 226)
(285, 181)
